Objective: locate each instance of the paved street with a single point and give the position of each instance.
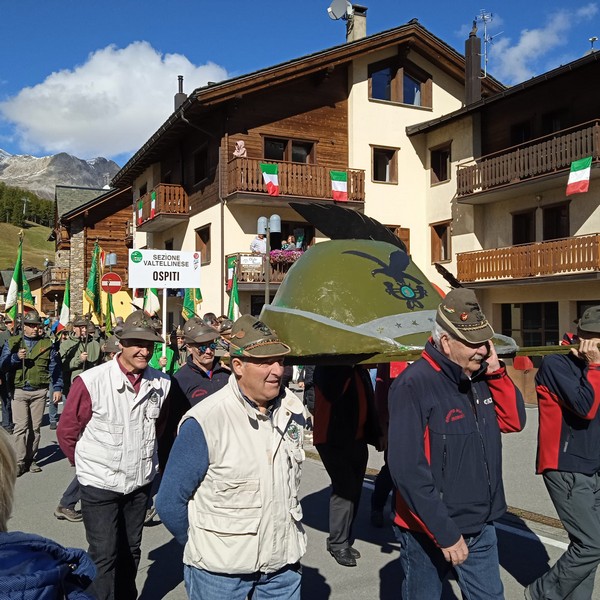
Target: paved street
(526, 547)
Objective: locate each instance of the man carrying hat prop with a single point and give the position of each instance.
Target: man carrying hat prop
(33, 364)
(108, 431)
(447, 411)
(230, 489)
(568, 457)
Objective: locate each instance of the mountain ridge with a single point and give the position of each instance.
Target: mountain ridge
(40, 175)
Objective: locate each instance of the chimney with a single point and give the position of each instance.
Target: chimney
(356, 25)
(180, 97)
(472, 67)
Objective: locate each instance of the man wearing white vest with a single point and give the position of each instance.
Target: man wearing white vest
(230, 488)
(108, 430)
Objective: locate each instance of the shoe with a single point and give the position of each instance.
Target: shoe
(344, 557)
(62, 513)
(354, 552)
(52, 425)
(34, 468)
(21, 469)
(377, 518)
(150, 514)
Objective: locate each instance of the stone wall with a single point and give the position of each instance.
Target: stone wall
(77, 273)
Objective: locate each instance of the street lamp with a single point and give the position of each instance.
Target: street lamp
(111, 260)
(266, 227)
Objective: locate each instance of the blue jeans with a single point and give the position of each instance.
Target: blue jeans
(281, 585)
(425, 567)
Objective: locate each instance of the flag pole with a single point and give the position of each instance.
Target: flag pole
(164, 326)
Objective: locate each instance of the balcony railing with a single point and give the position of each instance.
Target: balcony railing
(160, 207)
(295, 179)
(568, 255)
(250, 268)
(55, 277)
(535, 158)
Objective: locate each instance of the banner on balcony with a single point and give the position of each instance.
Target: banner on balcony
(579, 177)
(152, 204)
(270, 177)
(230, 271)
(339, 185)
(139, 212)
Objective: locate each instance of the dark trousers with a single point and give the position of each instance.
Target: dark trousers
(71, 495)
(6, 396)
(382, 487)
(346, 466)
(113, 528)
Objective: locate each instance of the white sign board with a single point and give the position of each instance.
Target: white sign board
(164, 269)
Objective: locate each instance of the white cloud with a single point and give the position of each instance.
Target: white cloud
(513, 63)
(108, 106)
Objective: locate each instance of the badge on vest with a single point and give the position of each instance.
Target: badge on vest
(152, 409)
(293, 432)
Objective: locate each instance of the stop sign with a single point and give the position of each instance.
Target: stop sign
(111, 283)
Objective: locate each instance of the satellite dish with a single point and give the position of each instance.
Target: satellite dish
(339, 9)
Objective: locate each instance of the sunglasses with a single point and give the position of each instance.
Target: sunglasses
(205, 347)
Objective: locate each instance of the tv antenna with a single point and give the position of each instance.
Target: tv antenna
(340, 9)
(485, 18)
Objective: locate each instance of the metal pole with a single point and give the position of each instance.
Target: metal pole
(164, 325)
(268, 265)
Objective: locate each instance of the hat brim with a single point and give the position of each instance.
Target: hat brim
(200, 339)
(141, 334)
(588, 327)
(472, 335)
(266, 349)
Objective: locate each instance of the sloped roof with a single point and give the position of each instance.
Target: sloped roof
(118, 198)
(30, 274)
(205, 98)
(70, 197)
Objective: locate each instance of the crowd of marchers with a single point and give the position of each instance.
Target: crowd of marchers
(204, 432)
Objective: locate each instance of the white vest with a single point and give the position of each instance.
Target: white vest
(117, 449)
(245, 515)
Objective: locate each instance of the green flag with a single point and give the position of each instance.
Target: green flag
(92, 289)
(192, 297)
(110, 313)
(233, 310)
(18, 290)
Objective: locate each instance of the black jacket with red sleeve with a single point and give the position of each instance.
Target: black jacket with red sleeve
(444, 446)
(568, 392)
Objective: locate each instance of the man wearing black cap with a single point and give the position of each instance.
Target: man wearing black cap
(568, 457)
(34, 364)
(230, 489)
(108, 430)
(447, 411)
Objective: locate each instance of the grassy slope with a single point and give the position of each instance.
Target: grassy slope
(35, 246)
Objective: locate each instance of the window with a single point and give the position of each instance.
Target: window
(556, 221)
(203, 244)
(440, 242)
(143, 190)
(303, 233)
(531, 323)
(385, 165)
(521, 132)
(403, 233)
(553, 121)
(399, 81)
(169, 244)
(201, 164)
(289, 150)
(523, 226)
(440, 164)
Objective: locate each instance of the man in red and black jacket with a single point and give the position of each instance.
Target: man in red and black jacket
(447, 411)
(568, 389)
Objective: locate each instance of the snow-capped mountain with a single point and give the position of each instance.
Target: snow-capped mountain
(40, 175)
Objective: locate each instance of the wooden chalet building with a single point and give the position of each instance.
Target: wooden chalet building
(84, 216)
(345, 109)
(531, 252)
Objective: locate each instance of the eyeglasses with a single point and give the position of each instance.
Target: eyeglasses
(205, 347)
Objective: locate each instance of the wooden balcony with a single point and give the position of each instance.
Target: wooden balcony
(298, 180)
(580, 254)
(533, 160)
(54, 280)
(164, 206)
(250, 270)
(129, 234)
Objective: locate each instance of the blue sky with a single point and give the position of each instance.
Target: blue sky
(98, 78)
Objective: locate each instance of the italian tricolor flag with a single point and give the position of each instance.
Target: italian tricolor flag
(65, 310)
(271, 179)
(339, 185)
(139, 212)
(579, 177)
(152, 205)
